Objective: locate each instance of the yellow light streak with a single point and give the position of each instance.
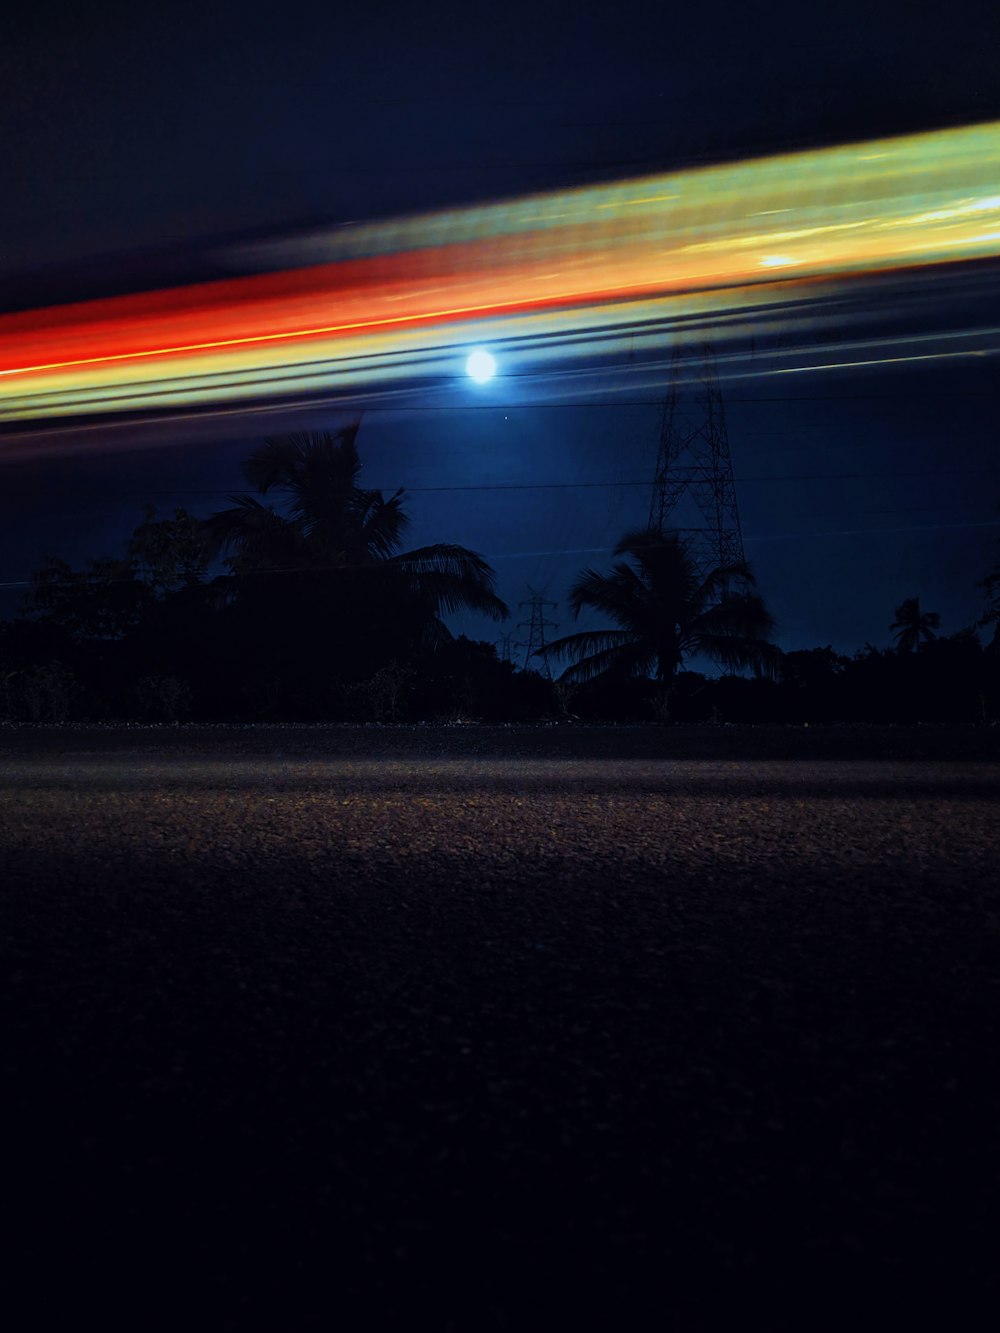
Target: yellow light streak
(838, 214)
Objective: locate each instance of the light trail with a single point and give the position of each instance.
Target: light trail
(561, 275)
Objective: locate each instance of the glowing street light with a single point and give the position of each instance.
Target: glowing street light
(481, 366)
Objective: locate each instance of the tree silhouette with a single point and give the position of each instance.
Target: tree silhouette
(166, 562)
(337, 539)
(104, 601)
(665, 610)
(991, 586)
(913, 626)
(169, 554)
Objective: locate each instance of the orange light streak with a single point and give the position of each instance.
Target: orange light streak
(924, 199)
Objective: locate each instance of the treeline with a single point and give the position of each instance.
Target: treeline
(310, 611)
(953, 680)
(153, 676)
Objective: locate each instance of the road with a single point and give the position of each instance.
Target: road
(311, 1034)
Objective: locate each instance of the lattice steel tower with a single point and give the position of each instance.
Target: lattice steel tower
(536, 628)
(694, 470)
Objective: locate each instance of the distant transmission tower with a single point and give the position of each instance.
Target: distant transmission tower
(694, 470)
(536, 628)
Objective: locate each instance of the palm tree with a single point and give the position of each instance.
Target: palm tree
(913, 626)
(333, 526)
(665, 610)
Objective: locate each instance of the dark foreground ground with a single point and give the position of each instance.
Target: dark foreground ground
(482, 1030)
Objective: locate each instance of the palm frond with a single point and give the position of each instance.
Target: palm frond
(382, 523)
(448, 557)
(639, 540)
(622, 659)
(717, 581)
(302, 459)
(445, 592)
(735, 632)
(740, 615)
(586, 642)
(739, 654)
(665, 609)
(452, 578)
(255, 531)
(619, 594)
(913, 626)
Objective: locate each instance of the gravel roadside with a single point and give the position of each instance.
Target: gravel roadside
(453, 1026)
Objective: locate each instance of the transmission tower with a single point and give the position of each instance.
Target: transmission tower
(694, 470)
(536, 628)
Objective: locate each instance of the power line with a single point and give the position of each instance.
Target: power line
(598, 550)
(351, 404)
(779, 536)
(583, 485)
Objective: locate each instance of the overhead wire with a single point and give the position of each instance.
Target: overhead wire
(578, 485)
(587, 550)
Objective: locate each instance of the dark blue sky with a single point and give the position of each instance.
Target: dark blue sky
(127, 125)
(132, 142)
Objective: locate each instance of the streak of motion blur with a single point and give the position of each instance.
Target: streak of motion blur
(548, 279)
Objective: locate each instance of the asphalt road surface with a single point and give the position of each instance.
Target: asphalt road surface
(367, 1030)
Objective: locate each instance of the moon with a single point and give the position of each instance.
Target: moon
(481, 366)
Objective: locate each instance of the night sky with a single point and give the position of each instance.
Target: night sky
(136, 146)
